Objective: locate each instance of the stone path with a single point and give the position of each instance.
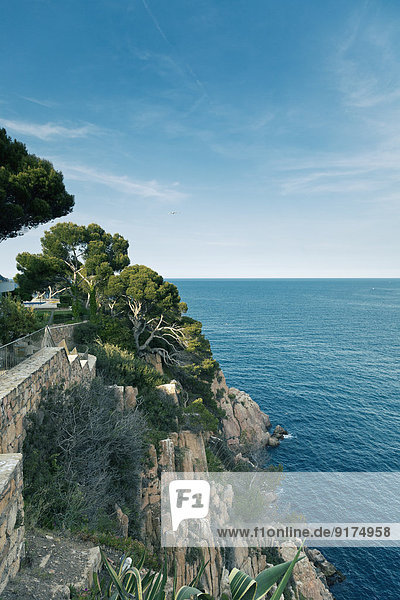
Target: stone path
(53, 564)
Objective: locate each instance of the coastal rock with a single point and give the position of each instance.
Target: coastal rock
(279, 432)
(171, 391)
(245, 426)
(328, 570)
(155, 361)
(273, 441)
(126, 396)
(305, 575)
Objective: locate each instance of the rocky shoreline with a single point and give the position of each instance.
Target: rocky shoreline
(244, 433)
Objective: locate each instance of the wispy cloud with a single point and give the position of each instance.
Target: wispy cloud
(49, 131)
(184, 63)
(366, 63)
(123, 183)
(45, 103)
(365, 175)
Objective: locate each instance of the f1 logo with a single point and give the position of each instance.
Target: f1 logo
(189, 499)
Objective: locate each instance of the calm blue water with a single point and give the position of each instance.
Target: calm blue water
(321, 357)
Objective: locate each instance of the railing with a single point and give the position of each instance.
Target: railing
(15, 352)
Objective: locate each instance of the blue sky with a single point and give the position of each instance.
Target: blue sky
(270, 128)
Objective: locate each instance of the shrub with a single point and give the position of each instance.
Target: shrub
(214, 464)
(199, 418)
(121, 367)
(161, 414)
(15, 319)
(82, 454)
(85, 333)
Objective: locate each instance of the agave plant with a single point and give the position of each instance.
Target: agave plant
(244, 587)
(127, 583)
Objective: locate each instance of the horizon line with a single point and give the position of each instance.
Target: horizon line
(282, 278)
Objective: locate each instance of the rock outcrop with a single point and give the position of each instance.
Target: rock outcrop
(185, 451)
(245, 426)
(244, 430)
(306, 577)
(326, 570)
(277, 435)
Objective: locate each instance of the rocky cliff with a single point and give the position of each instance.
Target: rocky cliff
(244, 429)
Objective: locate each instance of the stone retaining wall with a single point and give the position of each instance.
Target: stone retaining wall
(11, 516)
(20, 393)
(21, 389)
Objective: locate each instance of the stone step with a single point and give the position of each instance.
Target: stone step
(92, 361)
(53, 564)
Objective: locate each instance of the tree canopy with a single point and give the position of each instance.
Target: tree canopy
(32, 192)
(154, 309)
(76, 258)
(15, 319)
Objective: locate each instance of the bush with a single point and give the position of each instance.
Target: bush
(214, 464)
(116, 331)
(199, 418)
(107, 330)
(85, 333)
(15, 319)
(121, 367)
(161, 414)
(82, 454)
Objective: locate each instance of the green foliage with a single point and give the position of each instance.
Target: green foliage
(199, 418)
(156, 296)
(31, 191)
(128, 581)
(63, 316)
(275, 468)
(198, 343)
(37, 273)
(115, 331)
(163, 416)
(85, 333)
(74, 258)
(127, 546)
(108, 330)
(82, 454)
(121, 367)
(214, 464)
(15, 319)
(244, 587)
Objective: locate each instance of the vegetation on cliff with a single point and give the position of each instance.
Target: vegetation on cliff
(82, 454)
(71, 452)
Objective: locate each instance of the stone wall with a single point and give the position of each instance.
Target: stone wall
(21, 389)
(65, 333)
(11, 516)
(20, 393)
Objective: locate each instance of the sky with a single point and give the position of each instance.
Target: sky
(222, 138)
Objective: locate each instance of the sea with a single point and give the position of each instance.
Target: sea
(321, 358)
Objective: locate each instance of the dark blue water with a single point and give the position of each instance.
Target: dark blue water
(321, 357)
